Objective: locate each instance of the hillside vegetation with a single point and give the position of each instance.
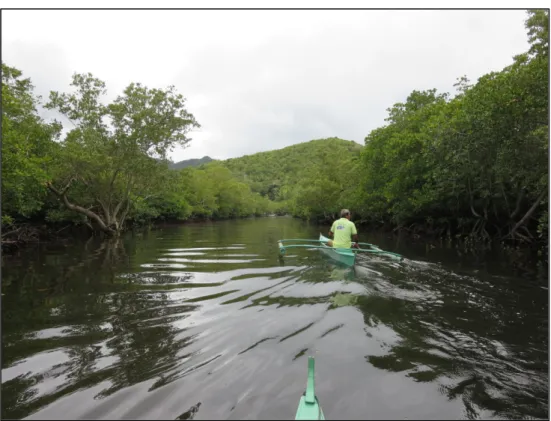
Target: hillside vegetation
(309, 179)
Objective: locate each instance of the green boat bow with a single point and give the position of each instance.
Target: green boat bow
(308, 406)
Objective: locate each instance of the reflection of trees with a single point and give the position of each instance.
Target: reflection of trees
(14, 392)
(490, 340)
(144, 339)
(125, 337)
(142, 348)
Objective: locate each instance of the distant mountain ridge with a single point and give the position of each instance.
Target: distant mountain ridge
(190, 163)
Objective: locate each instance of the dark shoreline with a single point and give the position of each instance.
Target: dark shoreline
(61, 233)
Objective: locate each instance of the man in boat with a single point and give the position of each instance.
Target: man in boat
(343, 231)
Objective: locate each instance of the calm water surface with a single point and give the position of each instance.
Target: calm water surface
(205, 321)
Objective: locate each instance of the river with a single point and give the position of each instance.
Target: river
(206, 321)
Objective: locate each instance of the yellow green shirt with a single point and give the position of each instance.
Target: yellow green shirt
(342, 230)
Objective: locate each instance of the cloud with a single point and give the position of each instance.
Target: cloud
(261, 80)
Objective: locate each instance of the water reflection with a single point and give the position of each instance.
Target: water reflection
(442, 336)
(120, 329)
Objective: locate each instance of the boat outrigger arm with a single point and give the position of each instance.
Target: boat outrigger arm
(374, 249)
(308, 406)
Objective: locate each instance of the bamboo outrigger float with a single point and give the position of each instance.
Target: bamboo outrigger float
(346, 256)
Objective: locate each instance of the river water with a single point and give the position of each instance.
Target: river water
(205, 321)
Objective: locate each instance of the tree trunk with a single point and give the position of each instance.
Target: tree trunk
(519, 200)
(528, 214)
(471, 198)
(92, 215)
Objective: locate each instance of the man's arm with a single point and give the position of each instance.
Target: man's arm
(331, 230)
(354, 233)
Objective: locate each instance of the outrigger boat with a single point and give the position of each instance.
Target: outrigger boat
(346, 256)
(309, 407)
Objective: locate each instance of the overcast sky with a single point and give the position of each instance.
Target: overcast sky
(262, 80)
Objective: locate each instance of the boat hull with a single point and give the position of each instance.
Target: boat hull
(344, 256)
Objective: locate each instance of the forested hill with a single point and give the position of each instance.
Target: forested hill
(190, 163)
(276, 173)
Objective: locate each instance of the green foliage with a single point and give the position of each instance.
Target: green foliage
(395, 160)
(538, 32)
(27, 147)
(114, 160)
(213, 192)
(311, 180)
(475, 164)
